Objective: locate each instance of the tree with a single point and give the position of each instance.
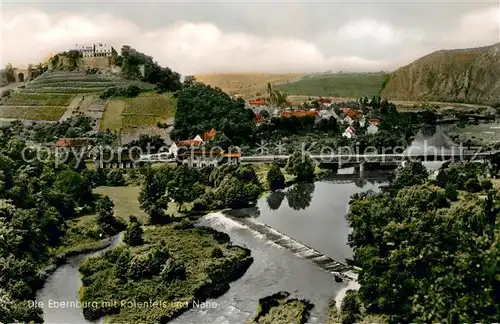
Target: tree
(275, 178)
(185, 185)
(413, 173)
(105, 216)
(133, 233)
(415, 252)
(123, 264)
(301, 166)
(201, 108)
(115, 178)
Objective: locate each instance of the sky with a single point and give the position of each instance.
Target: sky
(251, 36)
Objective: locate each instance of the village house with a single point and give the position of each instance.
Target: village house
(259, 102)
(201, 158)
(350, 132)
(373, 127)
(119, 159)
(73, 142)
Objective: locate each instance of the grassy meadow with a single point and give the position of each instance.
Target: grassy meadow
(348, 85)
(247, 85)
(83, 232)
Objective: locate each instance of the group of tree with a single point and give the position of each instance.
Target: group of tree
(37, 196)
(137, 65)
(423, 257)
(208, 188)
(201, 108)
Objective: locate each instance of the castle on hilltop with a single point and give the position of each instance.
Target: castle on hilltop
(96, 50)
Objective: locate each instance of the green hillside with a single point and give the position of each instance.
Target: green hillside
(346, 85)
(52, 94)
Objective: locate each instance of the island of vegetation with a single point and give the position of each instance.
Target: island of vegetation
(281, 309)
(176, 266)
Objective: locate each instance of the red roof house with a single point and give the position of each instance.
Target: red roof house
(257, 102)
(208, 135)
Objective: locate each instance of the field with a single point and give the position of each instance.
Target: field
(112, 118)
(51, 113)
(349, 85)
(247, 85)
(143, 111)
(125, 200)
(482, 134)
(83, 232)
(78, 82)
(48, 96)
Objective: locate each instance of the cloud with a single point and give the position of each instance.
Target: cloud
(477, 28)
(382, 32)
(192, 46)
(29, 35)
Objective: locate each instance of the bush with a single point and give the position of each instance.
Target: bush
(185, 224)
(486, 184)
(129, 91)
(114, 178)
(275, 178)
(217, 253)
(473, 185)
(133, 234)
(301, 166)
(451, 192)
(123, 264)
(173, 270)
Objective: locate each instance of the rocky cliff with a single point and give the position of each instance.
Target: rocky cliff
(462, 75)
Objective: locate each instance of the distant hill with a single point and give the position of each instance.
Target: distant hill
(247, 85)
(461, 75)
(344, 85)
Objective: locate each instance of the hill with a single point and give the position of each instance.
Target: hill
(461, 75)
(247, 85)
(56, 95)
(345, 85)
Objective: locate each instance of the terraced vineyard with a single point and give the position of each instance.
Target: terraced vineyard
(145, 110)
(48, 96)
(78, 82)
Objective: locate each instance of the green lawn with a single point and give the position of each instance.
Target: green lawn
(125, 200)
(349, 85)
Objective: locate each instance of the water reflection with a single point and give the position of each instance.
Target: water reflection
(275, 199)
(300, 196)
(429, 130)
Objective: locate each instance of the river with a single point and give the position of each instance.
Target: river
(312, 214)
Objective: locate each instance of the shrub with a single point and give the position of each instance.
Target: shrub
(133, 234)
(173, 270)
(115, 178)
(301, 166)
(129, 91)
(185, 224)
(451, 192)
(217, 253)
(123, 264)
(275, 178)
(473, 185)
(486, 184)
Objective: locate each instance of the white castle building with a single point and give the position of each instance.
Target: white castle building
(96, 50)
